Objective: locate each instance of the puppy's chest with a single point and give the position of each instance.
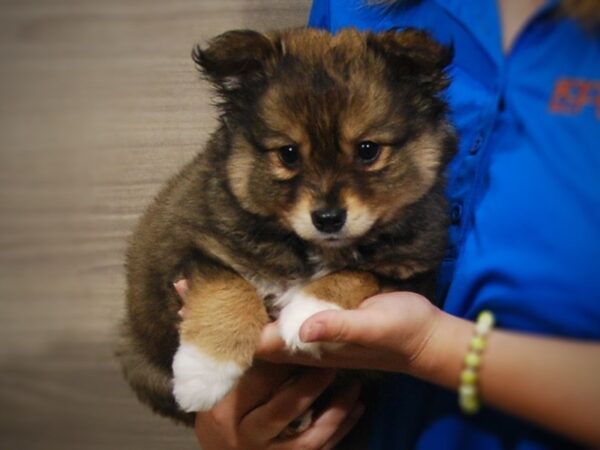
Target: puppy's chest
(275, 290)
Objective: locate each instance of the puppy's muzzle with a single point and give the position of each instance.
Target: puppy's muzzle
(329, 220)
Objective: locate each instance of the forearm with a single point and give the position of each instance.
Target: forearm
(552, 382)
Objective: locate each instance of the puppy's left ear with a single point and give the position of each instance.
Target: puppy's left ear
(236, 57)
(414, 54)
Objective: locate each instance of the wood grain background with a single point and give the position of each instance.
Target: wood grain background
(99, 104)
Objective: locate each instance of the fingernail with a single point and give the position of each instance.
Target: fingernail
(312, 332)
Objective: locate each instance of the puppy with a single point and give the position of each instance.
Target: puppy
(323, 183)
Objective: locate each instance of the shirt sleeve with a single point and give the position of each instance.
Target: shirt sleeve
(319, 16)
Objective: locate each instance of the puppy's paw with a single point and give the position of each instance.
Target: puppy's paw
(299, 307)
(200, 381)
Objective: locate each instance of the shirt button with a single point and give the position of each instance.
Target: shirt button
(456, 213)
(501, 104)
(476, 144)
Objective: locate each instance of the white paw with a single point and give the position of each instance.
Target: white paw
(200, 381)
(300, 307)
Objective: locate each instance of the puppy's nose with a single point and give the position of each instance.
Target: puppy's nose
(329, 220)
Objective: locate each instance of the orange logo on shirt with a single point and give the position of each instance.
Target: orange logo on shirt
(572, 95)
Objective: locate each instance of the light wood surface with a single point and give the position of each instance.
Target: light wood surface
(99, 104)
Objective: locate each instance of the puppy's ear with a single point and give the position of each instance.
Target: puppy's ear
(235, 57)
(415, 54)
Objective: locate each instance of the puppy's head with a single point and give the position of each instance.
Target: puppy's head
(331, 136)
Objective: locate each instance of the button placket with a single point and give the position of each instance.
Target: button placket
(456, 213)
(476, 144)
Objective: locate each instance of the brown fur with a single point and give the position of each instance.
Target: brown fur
(236, 221)
(346, 288)
(586, 12)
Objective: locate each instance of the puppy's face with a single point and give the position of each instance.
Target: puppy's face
(331, 135)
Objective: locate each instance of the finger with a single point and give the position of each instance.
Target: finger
(290, 402)
(271, 347)
(346, 326)
(335, 422)
(255, 388)
(258, 385)
(270, 342)
(346, 426)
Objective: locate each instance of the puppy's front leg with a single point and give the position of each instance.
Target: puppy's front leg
(218, 335)
(339, 290)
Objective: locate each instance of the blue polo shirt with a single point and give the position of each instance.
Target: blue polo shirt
(524, 191)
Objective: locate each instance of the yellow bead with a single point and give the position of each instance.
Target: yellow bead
(469, 405)
(485, 322)
(472, 360)
(486, 317)
(468, 376)
(468, 390)
(478, 343)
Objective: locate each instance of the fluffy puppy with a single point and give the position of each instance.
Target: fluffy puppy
(323, 182)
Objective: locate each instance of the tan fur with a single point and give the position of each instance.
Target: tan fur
(368, 107)
(421, 171)
(361, 216)
(347, 289)
(224, 316)
(239, 168)
(298, 217)
(404, 271)
(289, 130)
(310, 45)
(425, 152)
(218, 249)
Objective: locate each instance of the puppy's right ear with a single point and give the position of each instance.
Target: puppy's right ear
(414, 54)
(236, 57)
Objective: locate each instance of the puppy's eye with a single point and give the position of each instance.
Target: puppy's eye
(289, 155)
(367, 152)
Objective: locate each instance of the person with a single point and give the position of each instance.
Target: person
(524, 244)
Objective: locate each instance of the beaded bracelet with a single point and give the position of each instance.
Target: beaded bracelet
(468, 398)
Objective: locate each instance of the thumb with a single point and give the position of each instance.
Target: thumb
(333, 326)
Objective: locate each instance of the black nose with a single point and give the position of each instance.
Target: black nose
(329, 220)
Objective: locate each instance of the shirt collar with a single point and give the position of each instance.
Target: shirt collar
(482, 19)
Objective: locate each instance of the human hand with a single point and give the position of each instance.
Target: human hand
(267, 399)
(387, 332)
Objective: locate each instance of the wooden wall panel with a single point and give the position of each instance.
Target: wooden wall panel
(99, 104)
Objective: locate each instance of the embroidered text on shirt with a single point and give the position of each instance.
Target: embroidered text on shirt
(572, 95)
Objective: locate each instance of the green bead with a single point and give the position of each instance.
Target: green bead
(485, 322)
(468, 376)
(467, 390)
(478, 343)
(472, 360)
(469, 405)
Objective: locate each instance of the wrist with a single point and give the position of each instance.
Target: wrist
(440, 360)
